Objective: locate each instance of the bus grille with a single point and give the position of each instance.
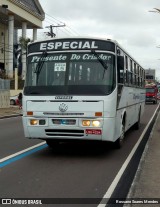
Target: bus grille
(64, 121)
(64, 132)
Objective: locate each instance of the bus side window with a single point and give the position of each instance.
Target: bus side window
(120, 69)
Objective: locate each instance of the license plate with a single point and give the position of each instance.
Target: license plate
(94, 131)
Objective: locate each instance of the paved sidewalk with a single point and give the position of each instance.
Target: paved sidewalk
(11, 111)
(146, 184)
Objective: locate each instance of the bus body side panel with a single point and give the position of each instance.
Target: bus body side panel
(110, 103)
(131, 102)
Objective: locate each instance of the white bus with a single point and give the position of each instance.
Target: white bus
(81, 89)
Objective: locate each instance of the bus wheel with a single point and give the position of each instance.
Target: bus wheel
(52, 143)
(119, 142)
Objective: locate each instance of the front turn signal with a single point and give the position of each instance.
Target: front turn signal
(30, 113)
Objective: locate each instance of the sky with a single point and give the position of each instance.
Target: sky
(128, 22)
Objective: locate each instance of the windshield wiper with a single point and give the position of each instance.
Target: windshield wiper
(40, 63)
(103, 63)
(105, 66)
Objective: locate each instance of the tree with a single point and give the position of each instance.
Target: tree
(23, 42)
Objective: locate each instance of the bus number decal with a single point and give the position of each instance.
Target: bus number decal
(60, 67)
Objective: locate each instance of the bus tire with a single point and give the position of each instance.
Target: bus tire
(119, 142)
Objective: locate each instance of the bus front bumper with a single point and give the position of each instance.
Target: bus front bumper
(46, 130)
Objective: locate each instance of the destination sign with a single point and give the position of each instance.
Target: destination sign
(68, 45)
(73, 56)
(71, 44)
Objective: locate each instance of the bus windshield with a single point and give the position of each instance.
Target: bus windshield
(73, 73)
(150, 90)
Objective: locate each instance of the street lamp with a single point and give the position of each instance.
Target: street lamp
(156, 10)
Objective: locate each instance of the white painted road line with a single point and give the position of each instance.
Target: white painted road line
(113, 185)
(21, 152)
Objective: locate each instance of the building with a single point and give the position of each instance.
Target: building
(14, 15)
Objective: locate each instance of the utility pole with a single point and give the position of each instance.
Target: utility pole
(5, 7)
(51, 33)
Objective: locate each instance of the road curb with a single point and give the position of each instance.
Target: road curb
(137, 182)
(9, 116)
(132, 166)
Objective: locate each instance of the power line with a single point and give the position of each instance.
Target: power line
(55, 18)
(61, 23)
(67, 29)
(51, 23)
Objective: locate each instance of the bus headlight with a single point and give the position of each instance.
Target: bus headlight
(86, 122)
(96, 123)
(33, 122)
(91, 123)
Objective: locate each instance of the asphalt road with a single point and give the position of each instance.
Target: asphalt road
(71, 171)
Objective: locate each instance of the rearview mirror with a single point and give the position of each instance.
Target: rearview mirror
(120, 62)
